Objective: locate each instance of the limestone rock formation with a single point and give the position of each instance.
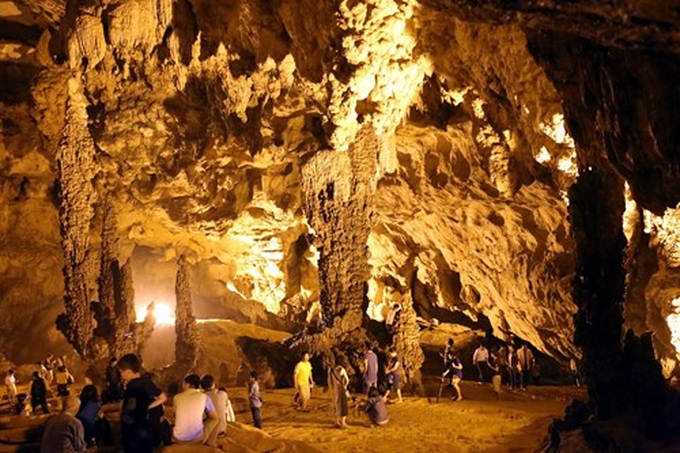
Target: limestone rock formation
(510, 166)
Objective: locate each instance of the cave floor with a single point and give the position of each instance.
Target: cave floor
(479, 423)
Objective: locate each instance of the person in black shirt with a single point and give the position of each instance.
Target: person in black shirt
(141, 395)
(114, 386)
(39, 393)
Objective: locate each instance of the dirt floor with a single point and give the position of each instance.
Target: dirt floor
(479, 423)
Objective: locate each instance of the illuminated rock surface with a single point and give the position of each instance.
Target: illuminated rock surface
(317, 160)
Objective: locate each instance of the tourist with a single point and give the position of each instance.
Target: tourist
(220, 401)
(96, 426)
(49, 367)
(370, 368)
(39, 393)
(302, 377)
(255, 399)
(141, 395)
(40, 368)
(338, 380)
(525, 359)
(190, 406)
(64, 379)
(575, 375)
(376, 408)
(393, 372)
(230, 416)
(501, 361)
(114, 386)
(513, 378)
(496, 377)
(448, 353)
(11, 386)
(64, 433)
(453, 375)
(480, 359)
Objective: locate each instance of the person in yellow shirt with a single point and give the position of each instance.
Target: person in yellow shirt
(302, 376)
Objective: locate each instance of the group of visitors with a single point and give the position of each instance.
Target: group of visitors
(517, 367)
(338, 382)
(200, 412)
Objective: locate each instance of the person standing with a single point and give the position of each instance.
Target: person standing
(219, 399)
(448, 353)
(370, 368)
(11, 386)
(525, 358)
(454, 374)
(64, 379)
(64, 433)
(190, 406)
(114, 386)
(302, 376)
(575, 375)
(255, 399)
(39, 393)
(393, 372)
(141, 395)
(480, 358)
(338, 380)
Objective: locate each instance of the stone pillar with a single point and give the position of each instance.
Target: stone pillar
(77, 169)
(186, 344)
(596, 206)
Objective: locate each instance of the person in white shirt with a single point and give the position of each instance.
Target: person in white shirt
(480, 358)
(11, 385)
(190, 406)
(219, 399)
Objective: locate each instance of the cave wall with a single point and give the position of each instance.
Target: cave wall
(204, 115)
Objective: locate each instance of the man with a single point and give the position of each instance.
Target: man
(140, 396)
(525, 358)
(64, 433)
(114, 387)
(302, 376)
(370, 368)
(189, 406)
(480, 358)
(219, 400)
(39, 393)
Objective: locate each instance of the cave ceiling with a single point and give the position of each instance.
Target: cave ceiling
(203, 116)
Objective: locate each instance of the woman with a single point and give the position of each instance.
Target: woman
(455, 373)
(338, 380)
(393, 372)
(97, 429)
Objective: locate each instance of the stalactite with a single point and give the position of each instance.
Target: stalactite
(77, 169)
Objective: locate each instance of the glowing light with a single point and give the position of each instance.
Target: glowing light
(673, 321)
(568, 165)
(666, 232)
(163, 313)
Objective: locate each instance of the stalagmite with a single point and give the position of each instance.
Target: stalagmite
(186, 345)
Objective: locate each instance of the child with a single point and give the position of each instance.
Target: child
(255, 399)
(376, 408)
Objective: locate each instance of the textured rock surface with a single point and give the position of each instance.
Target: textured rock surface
(232, 132)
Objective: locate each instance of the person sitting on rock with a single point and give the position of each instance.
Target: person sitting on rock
(189, 407)
(376, 408)
(96, 426)
(219, 399)
(39, 393)
(64, 433)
